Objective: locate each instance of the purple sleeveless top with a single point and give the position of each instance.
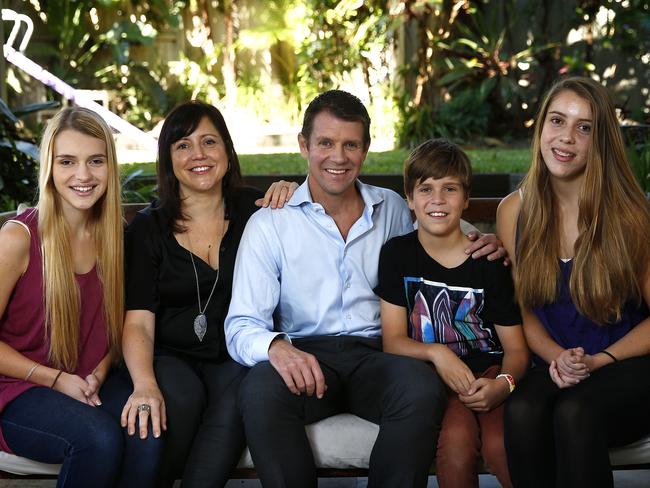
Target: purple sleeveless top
(23, 324)
(569, 328)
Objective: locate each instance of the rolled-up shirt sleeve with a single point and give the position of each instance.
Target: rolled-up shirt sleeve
(256, 292)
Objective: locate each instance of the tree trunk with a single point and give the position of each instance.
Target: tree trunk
(228, 69)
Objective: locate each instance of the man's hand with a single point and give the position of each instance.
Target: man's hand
(300, 371)
(451, 369)
(485, 393)
(486, 244)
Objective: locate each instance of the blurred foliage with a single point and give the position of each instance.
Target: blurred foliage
(640, 160)
(342, 37)
(464, 69)
(637, 138)
(137, 186)
(490, 47)
(464, 118)
(18, 156)
(96, 48)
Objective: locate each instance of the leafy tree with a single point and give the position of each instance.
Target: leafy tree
(18, 156)
(96, 43)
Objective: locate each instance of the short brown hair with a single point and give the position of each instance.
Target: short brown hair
(437, 158)
(340, 104)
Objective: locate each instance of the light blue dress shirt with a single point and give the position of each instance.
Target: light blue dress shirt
(295, 274)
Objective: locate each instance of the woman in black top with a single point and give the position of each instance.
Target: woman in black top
(180, 255)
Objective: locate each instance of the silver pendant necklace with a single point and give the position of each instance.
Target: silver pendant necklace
(201, 322)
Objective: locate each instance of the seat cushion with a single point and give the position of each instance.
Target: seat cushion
(342, 441)
(636, 453)
(11, 463)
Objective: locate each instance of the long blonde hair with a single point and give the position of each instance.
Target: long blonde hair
(611, 253)
(62, 300)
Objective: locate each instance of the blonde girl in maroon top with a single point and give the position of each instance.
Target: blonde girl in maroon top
(61, 313)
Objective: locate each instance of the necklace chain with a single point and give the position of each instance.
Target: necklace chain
(198, 290)
(200, 322)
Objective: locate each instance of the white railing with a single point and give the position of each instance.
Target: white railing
(78, 97)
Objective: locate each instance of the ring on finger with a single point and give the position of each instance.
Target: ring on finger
(144, 407)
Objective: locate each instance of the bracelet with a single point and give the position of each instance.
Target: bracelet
(605, 351)
(31, 371)
(56, 378)
(509, 379)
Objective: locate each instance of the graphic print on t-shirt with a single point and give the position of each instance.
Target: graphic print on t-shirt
(447, 315)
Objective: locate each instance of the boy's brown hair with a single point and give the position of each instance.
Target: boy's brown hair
(437, 158)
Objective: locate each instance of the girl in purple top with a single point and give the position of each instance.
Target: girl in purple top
(61, 312)
(579, 230)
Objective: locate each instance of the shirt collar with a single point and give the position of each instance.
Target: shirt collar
(371, 195)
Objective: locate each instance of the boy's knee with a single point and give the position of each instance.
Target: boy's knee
(458, 444)
(493, 451)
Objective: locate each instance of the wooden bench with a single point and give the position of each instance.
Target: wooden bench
(342, 443)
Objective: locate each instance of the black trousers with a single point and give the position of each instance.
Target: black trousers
(403, 395)
(560, 437)
(205, 433)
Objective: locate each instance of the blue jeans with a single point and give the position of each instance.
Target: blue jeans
(94, 450)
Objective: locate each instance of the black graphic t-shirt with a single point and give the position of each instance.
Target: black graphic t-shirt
(457, 306)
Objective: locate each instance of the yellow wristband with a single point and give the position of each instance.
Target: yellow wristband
(509, 379)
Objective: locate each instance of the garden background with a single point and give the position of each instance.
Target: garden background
(473, 71)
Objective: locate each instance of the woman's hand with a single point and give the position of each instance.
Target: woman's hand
(560, 379)
(278, 194)
(75, 387)
(485, 393)
(454, 372)
(145, 403)
(597, 361)
(96, 379)
(94, 385)
(570, 363)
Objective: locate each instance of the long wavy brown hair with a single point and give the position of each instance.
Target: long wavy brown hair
(62, 300)
(611, 253)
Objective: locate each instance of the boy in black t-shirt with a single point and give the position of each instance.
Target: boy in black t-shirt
(458, 313)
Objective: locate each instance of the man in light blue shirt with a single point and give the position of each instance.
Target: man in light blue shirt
(322, 283)
(304, 315)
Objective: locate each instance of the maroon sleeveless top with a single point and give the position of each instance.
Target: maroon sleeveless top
(22, 325)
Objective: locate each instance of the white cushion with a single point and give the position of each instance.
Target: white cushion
(20, 465)
(342, 441)
(636, 453)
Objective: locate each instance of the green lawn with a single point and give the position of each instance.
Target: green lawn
(389, 162)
